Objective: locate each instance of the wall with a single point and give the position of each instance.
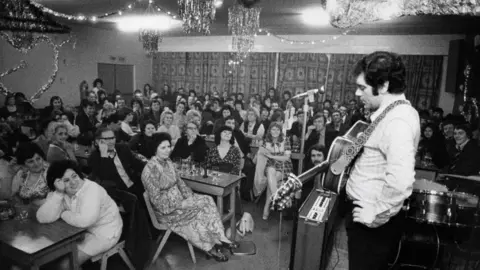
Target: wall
(76, 64)
(418, 44)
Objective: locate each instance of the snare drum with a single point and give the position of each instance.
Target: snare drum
(430, 206)
(466, 208)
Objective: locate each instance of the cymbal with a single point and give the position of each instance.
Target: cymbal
(475, 178)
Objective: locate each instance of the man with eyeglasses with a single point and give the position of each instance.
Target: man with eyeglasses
(114, 165)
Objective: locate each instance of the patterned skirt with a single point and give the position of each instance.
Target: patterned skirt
(284, 167)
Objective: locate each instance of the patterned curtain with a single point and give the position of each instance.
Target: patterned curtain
(207, 71)
(423, 79)
(210, 71)
(301, 71)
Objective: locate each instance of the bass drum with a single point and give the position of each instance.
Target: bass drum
(419, 248)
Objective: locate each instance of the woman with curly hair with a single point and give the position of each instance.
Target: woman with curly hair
(273, 161)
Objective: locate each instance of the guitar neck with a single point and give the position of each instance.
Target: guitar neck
(310, 174)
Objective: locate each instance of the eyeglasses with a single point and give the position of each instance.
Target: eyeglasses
(108, 138)
(191, 128)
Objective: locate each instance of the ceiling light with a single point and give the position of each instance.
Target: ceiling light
(135, 23)
(218, 3)
(316, 17)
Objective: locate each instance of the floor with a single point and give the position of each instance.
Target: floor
(273, 249)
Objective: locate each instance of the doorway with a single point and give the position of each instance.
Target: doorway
(118, 77)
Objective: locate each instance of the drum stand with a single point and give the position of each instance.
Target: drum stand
(470, 247)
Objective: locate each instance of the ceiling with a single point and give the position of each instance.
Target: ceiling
(280, 17)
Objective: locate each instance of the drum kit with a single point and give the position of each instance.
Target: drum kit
(436, 216)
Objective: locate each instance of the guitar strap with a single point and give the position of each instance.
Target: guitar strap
(351, 152)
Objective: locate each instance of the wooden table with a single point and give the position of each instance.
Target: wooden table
(220, 186)
(31, 244)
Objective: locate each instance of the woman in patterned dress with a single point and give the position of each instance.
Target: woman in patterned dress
(276, 148)
(225, 155)
(30, 184)
(192, 216)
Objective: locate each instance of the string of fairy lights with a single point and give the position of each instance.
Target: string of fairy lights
(130, 6)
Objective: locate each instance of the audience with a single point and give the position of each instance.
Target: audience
(464, 159)
(59, 148)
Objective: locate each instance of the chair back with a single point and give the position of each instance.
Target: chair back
(151, 213)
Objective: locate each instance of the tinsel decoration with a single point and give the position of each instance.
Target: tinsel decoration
(197, 15)
(23, 41)
(22, 16)
(243, 23)
(150, 37)
(3, 90)
(348, 13)
(56, 51)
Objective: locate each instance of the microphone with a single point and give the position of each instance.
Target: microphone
(311, 91)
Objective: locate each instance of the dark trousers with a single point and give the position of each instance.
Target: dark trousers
(372, 248)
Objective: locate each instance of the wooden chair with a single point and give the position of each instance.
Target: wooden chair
(161, 227)
(118, 248)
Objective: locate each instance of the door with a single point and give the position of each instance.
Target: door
(106, 72)
(124, 81)
(117, 77)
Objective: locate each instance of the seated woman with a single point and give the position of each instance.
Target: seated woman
(30, 184)
(125, 125)
(146, 142)
(225, 112)
(179, 117)
(273, 160)
(81, 203)
(252, 128)
(191, 144)
(166, 125)
(138, 113)
(432, 146)
(464, 159)
(56, 104)
(225, 155)
(192, 216)
(59, 148)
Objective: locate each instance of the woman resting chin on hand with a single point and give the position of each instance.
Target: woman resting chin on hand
(93, 209)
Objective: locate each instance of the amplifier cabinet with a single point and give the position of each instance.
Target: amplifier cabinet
(314, 238)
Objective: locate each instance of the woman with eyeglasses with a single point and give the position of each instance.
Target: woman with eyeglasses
(191, 144)
(192, 216)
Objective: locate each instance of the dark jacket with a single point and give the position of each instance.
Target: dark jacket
(144, 145)
(198, 149)
(107, 176)
(136, 231)
(87, 128)
(467, 162)
(242, 141)
(331, 133)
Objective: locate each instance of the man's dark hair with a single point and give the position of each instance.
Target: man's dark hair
(240, 103)
(319, 148)
(230, 118)
(438, 110)
(381, 67)
(86, 103)
(466, 128)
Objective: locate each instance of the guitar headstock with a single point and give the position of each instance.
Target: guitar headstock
(283, 197)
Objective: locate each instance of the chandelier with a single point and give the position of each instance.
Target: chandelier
(244, 24)
(149, 35)
(197, 15)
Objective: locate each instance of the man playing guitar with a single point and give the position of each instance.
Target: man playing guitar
(382, 176)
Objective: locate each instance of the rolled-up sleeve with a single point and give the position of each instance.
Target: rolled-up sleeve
(399, 146)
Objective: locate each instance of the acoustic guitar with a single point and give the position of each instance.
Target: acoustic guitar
(336, 169)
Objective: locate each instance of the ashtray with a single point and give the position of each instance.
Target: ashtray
(7, 210)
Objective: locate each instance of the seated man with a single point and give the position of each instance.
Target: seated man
(316, 155)
(464, 160)
(87, 123)
(114, 165)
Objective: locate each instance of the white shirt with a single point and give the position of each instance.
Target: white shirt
(127, 128)
(90, 208)
(384, 174)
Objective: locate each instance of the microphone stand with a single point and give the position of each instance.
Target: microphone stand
(298, 194)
